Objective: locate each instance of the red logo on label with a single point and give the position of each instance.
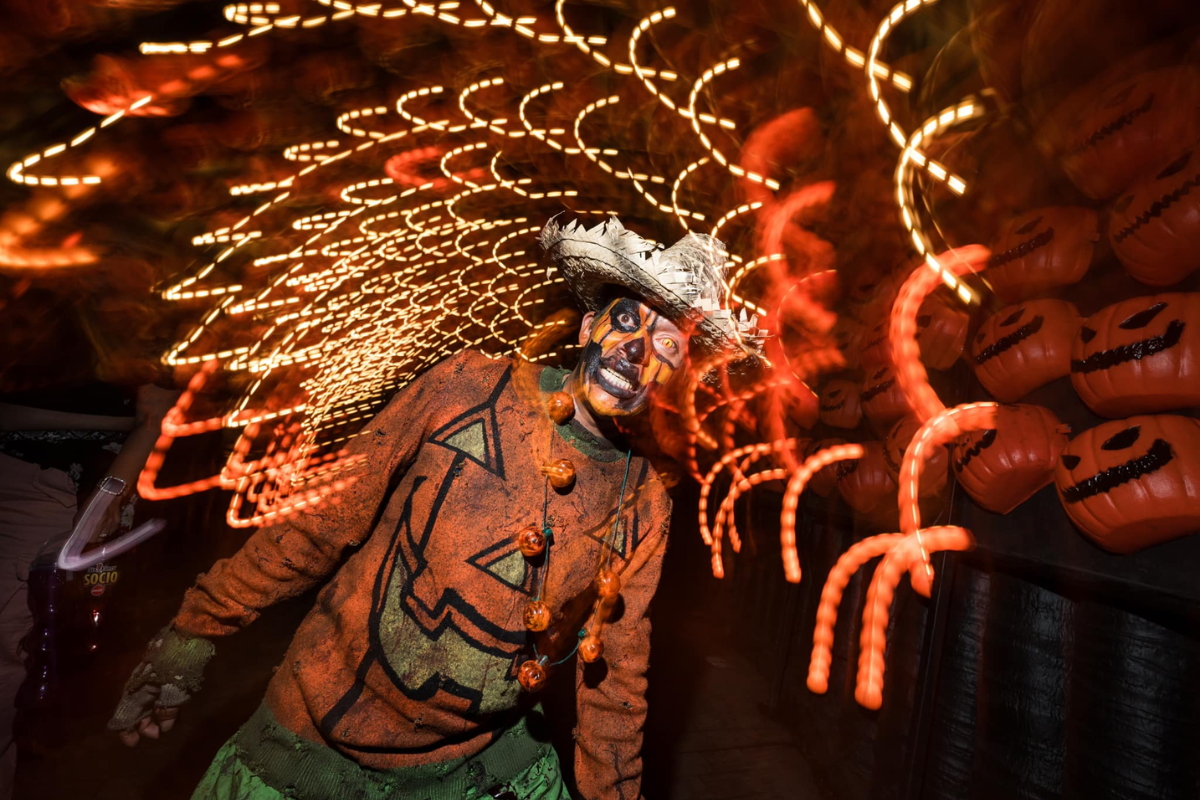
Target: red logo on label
(97, 590)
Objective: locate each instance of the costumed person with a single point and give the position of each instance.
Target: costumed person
(499, 521)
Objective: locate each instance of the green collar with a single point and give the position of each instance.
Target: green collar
(574, 434)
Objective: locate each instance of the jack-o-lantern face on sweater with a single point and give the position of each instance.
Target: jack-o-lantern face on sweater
(839, 404)
(1004, 466)
(1139, 355)
(1024, 346)
(883, 400)
(1132, 483)
(933, 474)
(1155, 229)
(1121, 130)
(1040, 250)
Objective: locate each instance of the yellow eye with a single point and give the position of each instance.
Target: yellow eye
(669, 343)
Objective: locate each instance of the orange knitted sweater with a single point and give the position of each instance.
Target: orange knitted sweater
(409, 656)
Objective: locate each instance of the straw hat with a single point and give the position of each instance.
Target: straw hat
(686, 281)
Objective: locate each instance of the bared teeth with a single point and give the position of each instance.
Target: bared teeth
(615, 379)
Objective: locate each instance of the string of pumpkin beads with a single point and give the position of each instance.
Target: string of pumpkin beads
(533, 542)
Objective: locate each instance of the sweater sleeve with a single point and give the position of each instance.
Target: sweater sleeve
(612, 712)
(286, 559)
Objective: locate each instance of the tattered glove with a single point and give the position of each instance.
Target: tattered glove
(169, 674)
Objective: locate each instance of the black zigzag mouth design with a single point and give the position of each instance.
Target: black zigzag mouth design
(876, 390)
(1106, 359)
(833, 407)
(1158, 456)
(985, 441)
(1023, 249)
(1108, 130)
(1011, 340)
(1157, 208)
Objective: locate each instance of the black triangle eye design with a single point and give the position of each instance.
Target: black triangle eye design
(879, 374)
(1123, 440)
(1121, 96)
(1012, 318)
(979, 337)
(835, 394)
(866, 287)
(1070, 462)
(1175, 166)
(1087, 334)
(924, 320)
(1123, 203)
(1142, 318)
(1028, 226)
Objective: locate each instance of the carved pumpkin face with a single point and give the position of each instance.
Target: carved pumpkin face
(1004, 466)
(1124, 128)
(933, 476)
(1155, 229)
(864, 483)
(941, 333)
(882, 398)
(824, 481)
(1133, 483)
(848, 334)
(1139, 355)
(1025, 346)
(840, 405)
(1040, 250)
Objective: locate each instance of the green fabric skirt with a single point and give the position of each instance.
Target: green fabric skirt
(265, 761)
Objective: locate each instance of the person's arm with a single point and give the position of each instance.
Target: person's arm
(298, 553)
(276, 562)
(612, 713)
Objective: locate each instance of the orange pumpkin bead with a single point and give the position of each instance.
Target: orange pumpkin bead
(531, 541)
(591, 649)
(537, 616)
(561, 407)
(608, 584)
(532, 675)
(561, 473)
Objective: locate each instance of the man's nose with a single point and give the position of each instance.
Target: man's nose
(634, 351)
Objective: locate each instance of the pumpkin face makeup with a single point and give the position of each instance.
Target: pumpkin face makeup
(839, 404)
(1023, 347)
(1122, 130)
(1041, 250)
(1155, 230)
(630, 351)
(1002, 467)
(1133, 483)
(864, 483)
(1139, 355)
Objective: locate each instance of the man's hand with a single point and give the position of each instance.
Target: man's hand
(166, 679)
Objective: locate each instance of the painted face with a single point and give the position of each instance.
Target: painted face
(1155, 229)
(631, 350)
(1023, 347)
(1041, 250)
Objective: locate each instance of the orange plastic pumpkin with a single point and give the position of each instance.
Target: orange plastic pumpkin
(1139, 355)
(1133, 483)
(1025, 346)
(941, 333)
(864, 483)
(840, 406)
(933, 476)
(824, 481)
(1004, 466)
(1041, 250)
(1121, 130)
(882, 398)
(1155, 229)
